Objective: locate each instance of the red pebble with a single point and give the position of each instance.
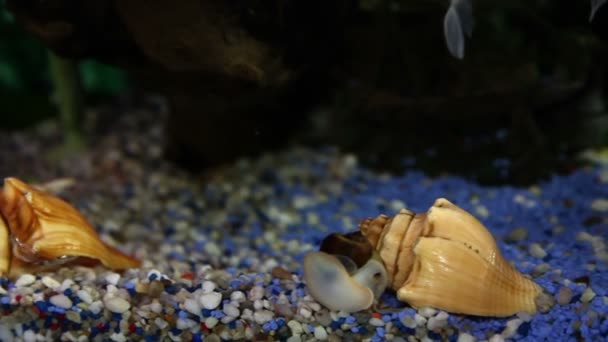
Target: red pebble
(101, 326)
(188, 275)
(54, 326)
(18, 298)
(204, 327)
(376, 315)
(132, 327)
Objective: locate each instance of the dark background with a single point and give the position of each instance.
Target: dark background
(373, 77)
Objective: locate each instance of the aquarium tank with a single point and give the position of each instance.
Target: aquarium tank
(361, 170)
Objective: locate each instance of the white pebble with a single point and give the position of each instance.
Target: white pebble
(160, 323)
(37, 296)
(117, 305)
(256, 293)
(25, 280)
(192, 306)
(314, 306)
(377, 322)
(29, 336)
(320, 333)
(118, 337)
(84, 296)
(73, 316)
(210, 300)
(524, 316)
(511, 328)
(66, 336)
(213, 249)
(211, 322)
(295, 326)
(155, 306)
(96, 306)
(66, 284)
(587, 295)
(112, 278)
(305, 312)
(409, 322)
(61, 301)
(427, 312)
(231, 309)
(208, 286)
(184, 323)
(420, 321)
(437, 322)
(227, 319)
(258, 305)
(464, 337)
(237, 296)
(262, 316)
(294, 338)
(247, 315)
(50, 282)
(600, 204)
(496, 338)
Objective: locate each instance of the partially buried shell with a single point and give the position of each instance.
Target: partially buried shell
(44, 230)
(446, 259)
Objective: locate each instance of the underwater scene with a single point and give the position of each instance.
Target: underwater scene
(289, 170)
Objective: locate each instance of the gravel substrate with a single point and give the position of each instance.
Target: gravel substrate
(221, 252)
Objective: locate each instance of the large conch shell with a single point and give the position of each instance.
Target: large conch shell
(45, 230)
(444, 258)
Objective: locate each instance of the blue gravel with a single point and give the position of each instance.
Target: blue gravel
(241, 234)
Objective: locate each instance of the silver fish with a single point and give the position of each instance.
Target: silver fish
(595, 5)
(457, 23)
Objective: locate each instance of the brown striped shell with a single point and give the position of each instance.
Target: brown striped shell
(446, 259)
(39, 230)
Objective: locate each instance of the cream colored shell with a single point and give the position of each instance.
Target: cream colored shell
(446, 259)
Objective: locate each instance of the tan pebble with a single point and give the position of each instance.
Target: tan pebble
(516, 235)
(141, 288)
(464, 337)
(281, 273)
(600, 204)
(587, 295)
(564, 295)
(155, 288)
(544, 302)
(541, 269)
(537, 251)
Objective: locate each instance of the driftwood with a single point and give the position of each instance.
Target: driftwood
(230, 70)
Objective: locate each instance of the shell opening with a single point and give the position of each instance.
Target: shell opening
(373, 275)
(330, 284)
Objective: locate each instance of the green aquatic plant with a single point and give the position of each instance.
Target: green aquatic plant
(27, 81)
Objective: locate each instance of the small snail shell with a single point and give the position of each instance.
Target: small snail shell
(332, 285)
(346, 274)
(446, 259)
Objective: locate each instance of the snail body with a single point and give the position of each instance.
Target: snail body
(447, 259)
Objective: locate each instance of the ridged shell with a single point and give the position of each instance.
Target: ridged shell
(446, 259)
(44, 228)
